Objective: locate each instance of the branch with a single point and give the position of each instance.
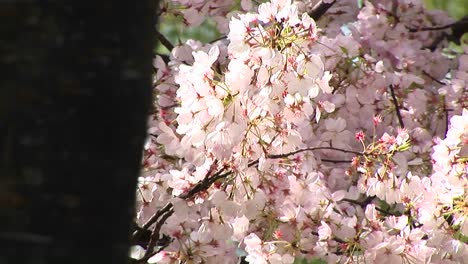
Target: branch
(458, 28)
(397, 108)
(164, 213)
(433, 78)
(412, 30)
(164, 41)
(363, 203)
(165, 58)
(155, 236)
(205, 184)
(387, 212)
(436, 42)
(152, 220)
(320, 9)
(201, 186)
(336, 161)
(279, 156)
(446, 115)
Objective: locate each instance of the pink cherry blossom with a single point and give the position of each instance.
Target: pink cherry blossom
(253, 151)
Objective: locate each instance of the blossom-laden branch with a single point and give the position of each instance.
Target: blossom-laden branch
(164, 213)
(458, 28)
(257, 94)
(279, 156)
(155, 236)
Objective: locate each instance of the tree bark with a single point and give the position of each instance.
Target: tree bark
(74, 99)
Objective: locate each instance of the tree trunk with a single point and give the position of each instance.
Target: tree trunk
(74, 99)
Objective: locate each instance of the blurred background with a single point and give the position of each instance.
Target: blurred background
(456, 8)
(174, 30)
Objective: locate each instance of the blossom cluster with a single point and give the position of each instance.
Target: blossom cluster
(285, 141)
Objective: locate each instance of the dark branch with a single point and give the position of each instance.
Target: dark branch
(218, 39)
(320, 9)
(165, 57)
(164, 213)
(205, 184)
(279, 156)
(430, 28)
(397, 107)
(387, 212)
(152, 219)
(446, 115)
(433, 78)
(362, 203)
(336, 161)
(458, 29)
(155, 236)
(437, 41)
(164, 41)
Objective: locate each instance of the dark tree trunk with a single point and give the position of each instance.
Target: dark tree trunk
(75, 91)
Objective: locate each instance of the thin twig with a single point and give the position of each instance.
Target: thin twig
(164, 41)
(218, 39)
(164, 213)
(446, 115)
(457, 25)
(153, 219)
(458, 28)
(155, 235)
(204, 184)
(387, 212)
(433, 78)
(410, 29)
(336, 161)
(397, 108)
(279, 156)
(363, 203)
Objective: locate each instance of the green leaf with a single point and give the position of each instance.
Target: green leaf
(318, 261)
(360, 3)
(344, 50)
(405, 146)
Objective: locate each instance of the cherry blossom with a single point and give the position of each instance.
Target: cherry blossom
(343, 139)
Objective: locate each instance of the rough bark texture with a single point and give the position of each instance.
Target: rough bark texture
(75, 93)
